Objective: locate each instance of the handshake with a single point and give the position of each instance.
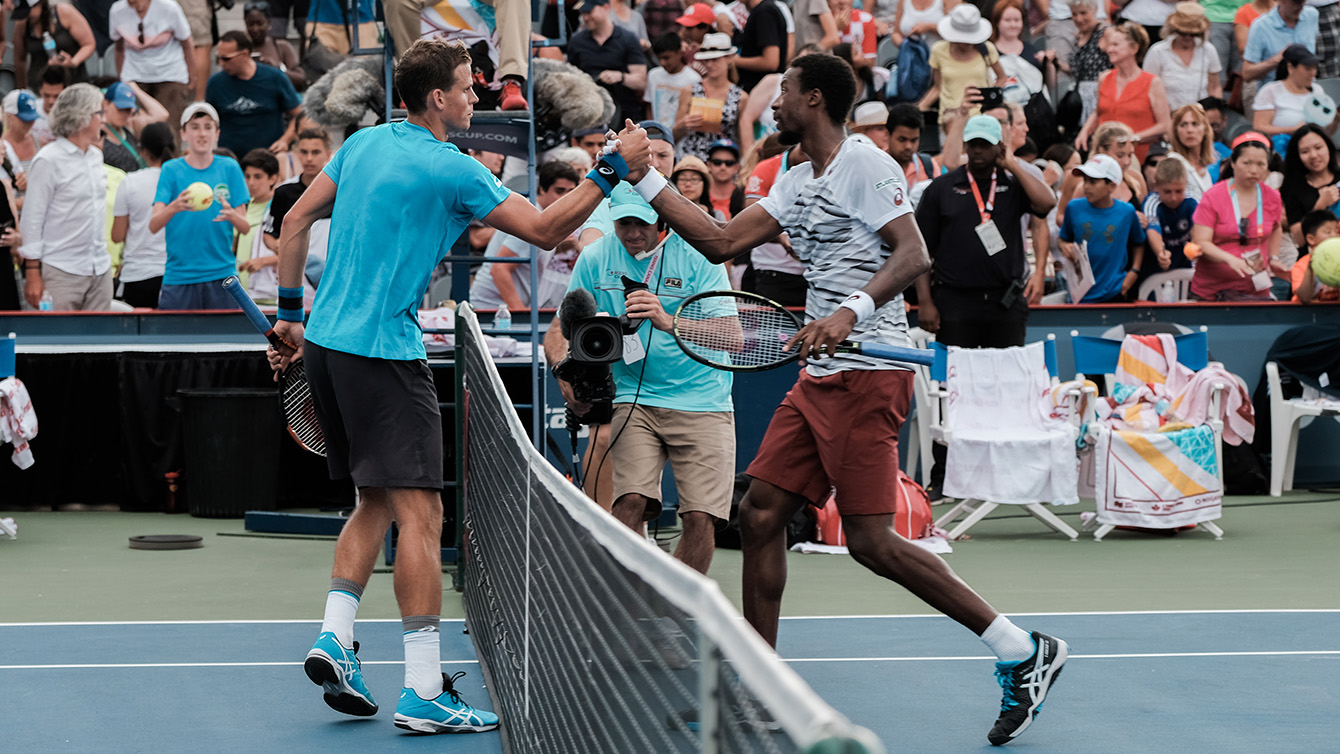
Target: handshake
(632, 146)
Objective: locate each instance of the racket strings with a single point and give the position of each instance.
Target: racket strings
(300, 409)
(736, 331)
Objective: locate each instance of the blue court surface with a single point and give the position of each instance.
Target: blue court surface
(1220, 681)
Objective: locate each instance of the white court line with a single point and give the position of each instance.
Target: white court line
(1118, 656)
(1121, 656)
(281, 621)
(122, 665)
(1230, 611)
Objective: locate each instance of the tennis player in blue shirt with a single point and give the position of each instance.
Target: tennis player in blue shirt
(399, 196)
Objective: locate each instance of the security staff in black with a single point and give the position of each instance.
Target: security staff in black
(974, 294)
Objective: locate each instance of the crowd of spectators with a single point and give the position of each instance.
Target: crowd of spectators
(1165, 136)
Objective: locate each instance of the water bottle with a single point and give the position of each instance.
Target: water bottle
(502, 320)
(1168, 292)
(47, 303)
(49, 44)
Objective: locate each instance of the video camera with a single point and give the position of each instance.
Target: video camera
(594, 343)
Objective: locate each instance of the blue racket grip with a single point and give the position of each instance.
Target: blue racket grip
(920, 356)
(253, 312)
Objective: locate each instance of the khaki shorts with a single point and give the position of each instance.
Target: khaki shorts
(337, 39)
(198, 17)
(700, 446)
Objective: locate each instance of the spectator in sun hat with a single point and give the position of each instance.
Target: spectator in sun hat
(962, 58)
(1186, 79)
(712, 109)
(870, 119)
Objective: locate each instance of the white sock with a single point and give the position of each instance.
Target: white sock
(341, 607)
(1009, 642)
(423, 656)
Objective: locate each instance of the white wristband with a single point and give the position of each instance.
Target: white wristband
(651, 184)
(861, 304)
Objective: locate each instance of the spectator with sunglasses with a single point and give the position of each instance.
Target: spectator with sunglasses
(723, 163)
(253, 101)
(270, 50)
(154, 50)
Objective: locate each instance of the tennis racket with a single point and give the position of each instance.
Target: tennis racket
(744, 332)
(295, 396)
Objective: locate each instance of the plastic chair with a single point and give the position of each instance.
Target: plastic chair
(1180, 278)
(1287, 415)
(1100, 355)
(975, 508)
(927, 412)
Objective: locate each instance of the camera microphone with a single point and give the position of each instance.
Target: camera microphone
(578, 305)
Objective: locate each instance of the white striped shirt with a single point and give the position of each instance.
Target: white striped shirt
(833, 221)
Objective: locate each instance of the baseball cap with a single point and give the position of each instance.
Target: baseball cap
(982, 127)
(724, 144)
(196, 108)
(585, 6)
(657, 131)
(121, 96)
(625, 202)
(699, 14)
(597, 129)
(1100, 166)
(22, 104)
(870, 114)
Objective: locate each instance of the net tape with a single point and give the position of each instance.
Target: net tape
(590, 638)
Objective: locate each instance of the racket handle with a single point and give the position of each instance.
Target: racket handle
(920, 356)
(253, 312)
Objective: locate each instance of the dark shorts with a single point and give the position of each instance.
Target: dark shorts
(380, 418)
(207, 295)
(839, 431)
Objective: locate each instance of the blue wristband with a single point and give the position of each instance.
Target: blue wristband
(290, 304)
(608, 172)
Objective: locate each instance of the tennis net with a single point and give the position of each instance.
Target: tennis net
(591, 639)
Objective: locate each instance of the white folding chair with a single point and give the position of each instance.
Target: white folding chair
(977, 508)
(927, 413)
(1287, 415)
(1179, 278)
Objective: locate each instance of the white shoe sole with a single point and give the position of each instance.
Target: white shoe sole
(422, 725)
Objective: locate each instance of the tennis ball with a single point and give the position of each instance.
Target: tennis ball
(1326, 262)
(199, 195)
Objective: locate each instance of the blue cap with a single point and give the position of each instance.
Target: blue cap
(602, 130)
(982, 127)
(121, 96)
(625, 202)
(724, 144)
(22, 104)
(663, 133)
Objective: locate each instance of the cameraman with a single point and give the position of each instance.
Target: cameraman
(666, 405)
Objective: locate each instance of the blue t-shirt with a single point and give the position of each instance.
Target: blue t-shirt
(252, 113)
(1109, 234)
(198, 249)
(388, 230)
(670, 379)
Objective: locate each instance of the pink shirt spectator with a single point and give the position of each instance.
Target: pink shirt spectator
(1216, 211)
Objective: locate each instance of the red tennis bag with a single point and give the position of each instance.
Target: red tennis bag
(911, 519)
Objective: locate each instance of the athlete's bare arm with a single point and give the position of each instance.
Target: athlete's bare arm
(712, 238)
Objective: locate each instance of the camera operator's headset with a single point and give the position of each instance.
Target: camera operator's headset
(659, 252)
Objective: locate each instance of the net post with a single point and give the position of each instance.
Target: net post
(709, 695)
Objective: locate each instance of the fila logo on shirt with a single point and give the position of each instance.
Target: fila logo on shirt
(674, 283)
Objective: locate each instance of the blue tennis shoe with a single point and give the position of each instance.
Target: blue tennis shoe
(446, 713)
(335, 668)
(1026, 685)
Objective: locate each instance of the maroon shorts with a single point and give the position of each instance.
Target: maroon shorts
(839, 431)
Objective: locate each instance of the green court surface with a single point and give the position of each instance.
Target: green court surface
(1277, 553)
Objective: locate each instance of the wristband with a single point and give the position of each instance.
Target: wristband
(861, 304)
(608, 172)
(650, 185)
(290, 304)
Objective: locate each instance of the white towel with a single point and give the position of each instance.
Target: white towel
(1004, 445)
(18, 420)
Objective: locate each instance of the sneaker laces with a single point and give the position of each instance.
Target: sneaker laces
(448, 687)
(1006, 680)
